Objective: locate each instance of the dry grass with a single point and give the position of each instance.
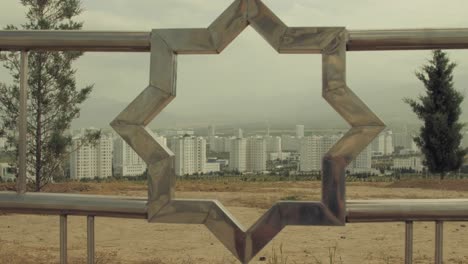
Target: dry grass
(247, 198)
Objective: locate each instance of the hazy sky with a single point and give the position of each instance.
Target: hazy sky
(249, 80)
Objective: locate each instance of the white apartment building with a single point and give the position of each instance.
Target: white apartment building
(90, 161)
(220, 144)
(383, 144)
(312, 149)
(211, 131)
(363, 162)
(239, 133)
(190, 154)
(289, 143)
(238, 155)
(248, 154)
(273, 144)
(414, 162)
(299, 131)
(256, 154)
(126, 161)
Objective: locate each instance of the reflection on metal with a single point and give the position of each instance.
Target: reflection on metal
(396, 210)
(161, 206)
(129, 207)
(409, 242)
(224, 30)
(245, 243)
(439, 242)
(74, 40)
(408, 39)
(63, 239)
(90, 244)
(22, 123)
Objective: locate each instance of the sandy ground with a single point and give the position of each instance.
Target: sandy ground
(35, 239)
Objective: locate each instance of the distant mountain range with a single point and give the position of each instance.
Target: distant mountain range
(99, 112)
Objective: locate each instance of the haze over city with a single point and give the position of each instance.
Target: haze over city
(234, 89)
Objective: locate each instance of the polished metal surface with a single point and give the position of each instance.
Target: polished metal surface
(73, 204)
(226, 28)
(90, 239)
(396, 210)
(409, 242)
(408, 39)
(439, 242)
(358, 211)
(63, 239)
(74, 40)
(22, 124)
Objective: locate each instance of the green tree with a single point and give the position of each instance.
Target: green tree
(54, 99)
(439, 109)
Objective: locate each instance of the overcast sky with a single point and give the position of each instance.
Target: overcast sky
(249, 80)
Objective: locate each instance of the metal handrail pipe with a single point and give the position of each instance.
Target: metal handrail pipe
(129, 207)
(73, 204)
(396, 210)
(77, 40)
(408, 39)
(119, 41)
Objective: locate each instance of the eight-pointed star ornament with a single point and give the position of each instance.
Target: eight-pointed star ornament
(166, 44)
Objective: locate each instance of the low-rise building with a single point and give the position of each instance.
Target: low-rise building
(412, 162)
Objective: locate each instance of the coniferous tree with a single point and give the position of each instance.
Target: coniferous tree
(53, 96)
(439, 109)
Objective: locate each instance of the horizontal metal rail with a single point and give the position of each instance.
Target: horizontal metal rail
(127, 207)
(73, 204)
(117, 41)
(407, 210)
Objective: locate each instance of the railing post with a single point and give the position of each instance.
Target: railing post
(63, 239)
(91, 244)
(22, 123)
(409, 242)
(439, 237)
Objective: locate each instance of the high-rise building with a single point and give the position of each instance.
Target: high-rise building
(239, 133)
(219, 144)
(402, 140)
(363, 162)
(248, 154)
(312, 149)
(256, 154)
(238, 155)
(273, 145)
(90, 161)
(299, 131)
(289, 143)
(126, 161)
(383, 144)
(190, 154)
(211, 131)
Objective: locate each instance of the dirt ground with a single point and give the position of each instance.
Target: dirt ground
(35, 239)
